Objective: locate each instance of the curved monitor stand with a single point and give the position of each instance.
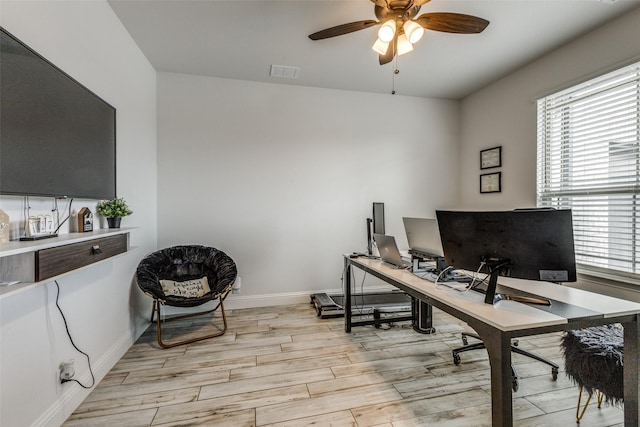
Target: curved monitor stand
(497, 266)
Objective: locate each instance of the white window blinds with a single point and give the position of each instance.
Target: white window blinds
(589, 161)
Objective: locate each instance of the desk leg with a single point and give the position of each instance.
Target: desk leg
(631, 376)
(499, 349)
(347, 295)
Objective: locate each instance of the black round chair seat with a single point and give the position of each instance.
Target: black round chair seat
(181, 263)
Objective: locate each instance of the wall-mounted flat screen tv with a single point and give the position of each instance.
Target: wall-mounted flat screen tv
(57, 138)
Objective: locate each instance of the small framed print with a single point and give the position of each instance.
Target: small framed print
(491, 158)
(490, 182)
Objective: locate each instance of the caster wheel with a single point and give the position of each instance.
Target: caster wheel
(456, 359)
(554, 373)
(514, 385)
(465, 341)
(515, 342)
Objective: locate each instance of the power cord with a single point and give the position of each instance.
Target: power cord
(68, 208)
(479, 282)
(355, 300)
(353, 279)
(66, 326)
(458, 287)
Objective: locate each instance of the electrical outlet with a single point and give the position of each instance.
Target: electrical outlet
(67, 371)
(236, 286)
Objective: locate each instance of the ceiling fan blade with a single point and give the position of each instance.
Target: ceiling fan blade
(381, 3)
(452, 22)
(342, 29)
(391, 52)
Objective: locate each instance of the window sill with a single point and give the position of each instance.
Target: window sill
(615, 286)
(630, 281)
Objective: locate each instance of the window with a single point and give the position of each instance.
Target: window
(589, 161)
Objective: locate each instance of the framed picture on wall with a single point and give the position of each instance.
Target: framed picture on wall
(491, 182)
(491, 158)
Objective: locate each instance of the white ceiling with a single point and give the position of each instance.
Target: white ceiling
(241, 39)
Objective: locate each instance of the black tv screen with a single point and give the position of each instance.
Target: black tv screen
(57, 138)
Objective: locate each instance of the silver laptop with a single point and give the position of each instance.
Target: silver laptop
(423, 236)
(389, 250)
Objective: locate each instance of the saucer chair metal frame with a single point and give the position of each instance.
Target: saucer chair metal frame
(181, 263)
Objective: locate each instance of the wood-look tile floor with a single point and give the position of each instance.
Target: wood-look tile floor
(284, 366)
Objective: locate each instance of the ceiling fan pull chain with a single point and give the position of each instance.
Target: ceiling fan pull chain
(393, 77)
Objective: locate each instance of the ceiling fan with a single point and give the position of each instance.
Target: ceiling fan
(400, 29)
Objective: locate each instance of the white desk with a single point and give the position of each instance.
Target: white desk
(498, 324)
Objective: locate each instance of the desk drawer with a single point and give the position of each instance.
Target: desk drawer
(62, 259)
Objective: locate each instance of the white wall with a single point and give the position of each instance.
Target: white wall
(504, 113)
(105, 312)
(282, 177)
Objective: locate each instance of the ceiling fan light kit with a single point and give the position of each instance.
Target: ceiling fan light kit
(400, 29)
(387, 31)
(413, 31)
(380, 47)
(404, 45)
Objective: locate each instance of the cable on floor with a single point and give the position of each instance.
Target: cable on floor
(66, 326)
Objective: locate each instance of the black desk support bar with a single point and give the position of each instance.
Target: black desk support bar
(422, 325)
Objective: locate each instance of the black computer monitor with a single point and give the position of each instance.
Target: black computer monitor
(375, 224)
(378, 218)
(533, 244)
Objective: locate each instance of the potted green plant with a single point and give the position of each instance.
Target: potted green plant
(113, 210)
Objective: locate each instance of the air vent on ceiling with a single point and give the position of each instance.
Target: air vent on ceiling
(284, 71)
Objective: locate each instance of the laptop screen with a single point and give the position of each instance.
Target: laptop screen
(423, 236)
(388, 250)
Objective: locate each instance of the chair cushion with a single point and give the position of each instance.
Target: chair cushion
(183, 263)
(188, 288)
(594, 359)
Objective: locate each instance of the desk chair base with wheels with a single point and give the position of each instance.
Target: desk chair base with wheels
(186, 276)
(514, 348)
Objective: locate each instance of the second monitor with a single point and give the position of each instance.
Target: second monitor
(423, 237)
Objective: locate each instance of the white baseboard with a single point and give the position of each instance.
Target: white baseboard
(236, 301)
(72, 395)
